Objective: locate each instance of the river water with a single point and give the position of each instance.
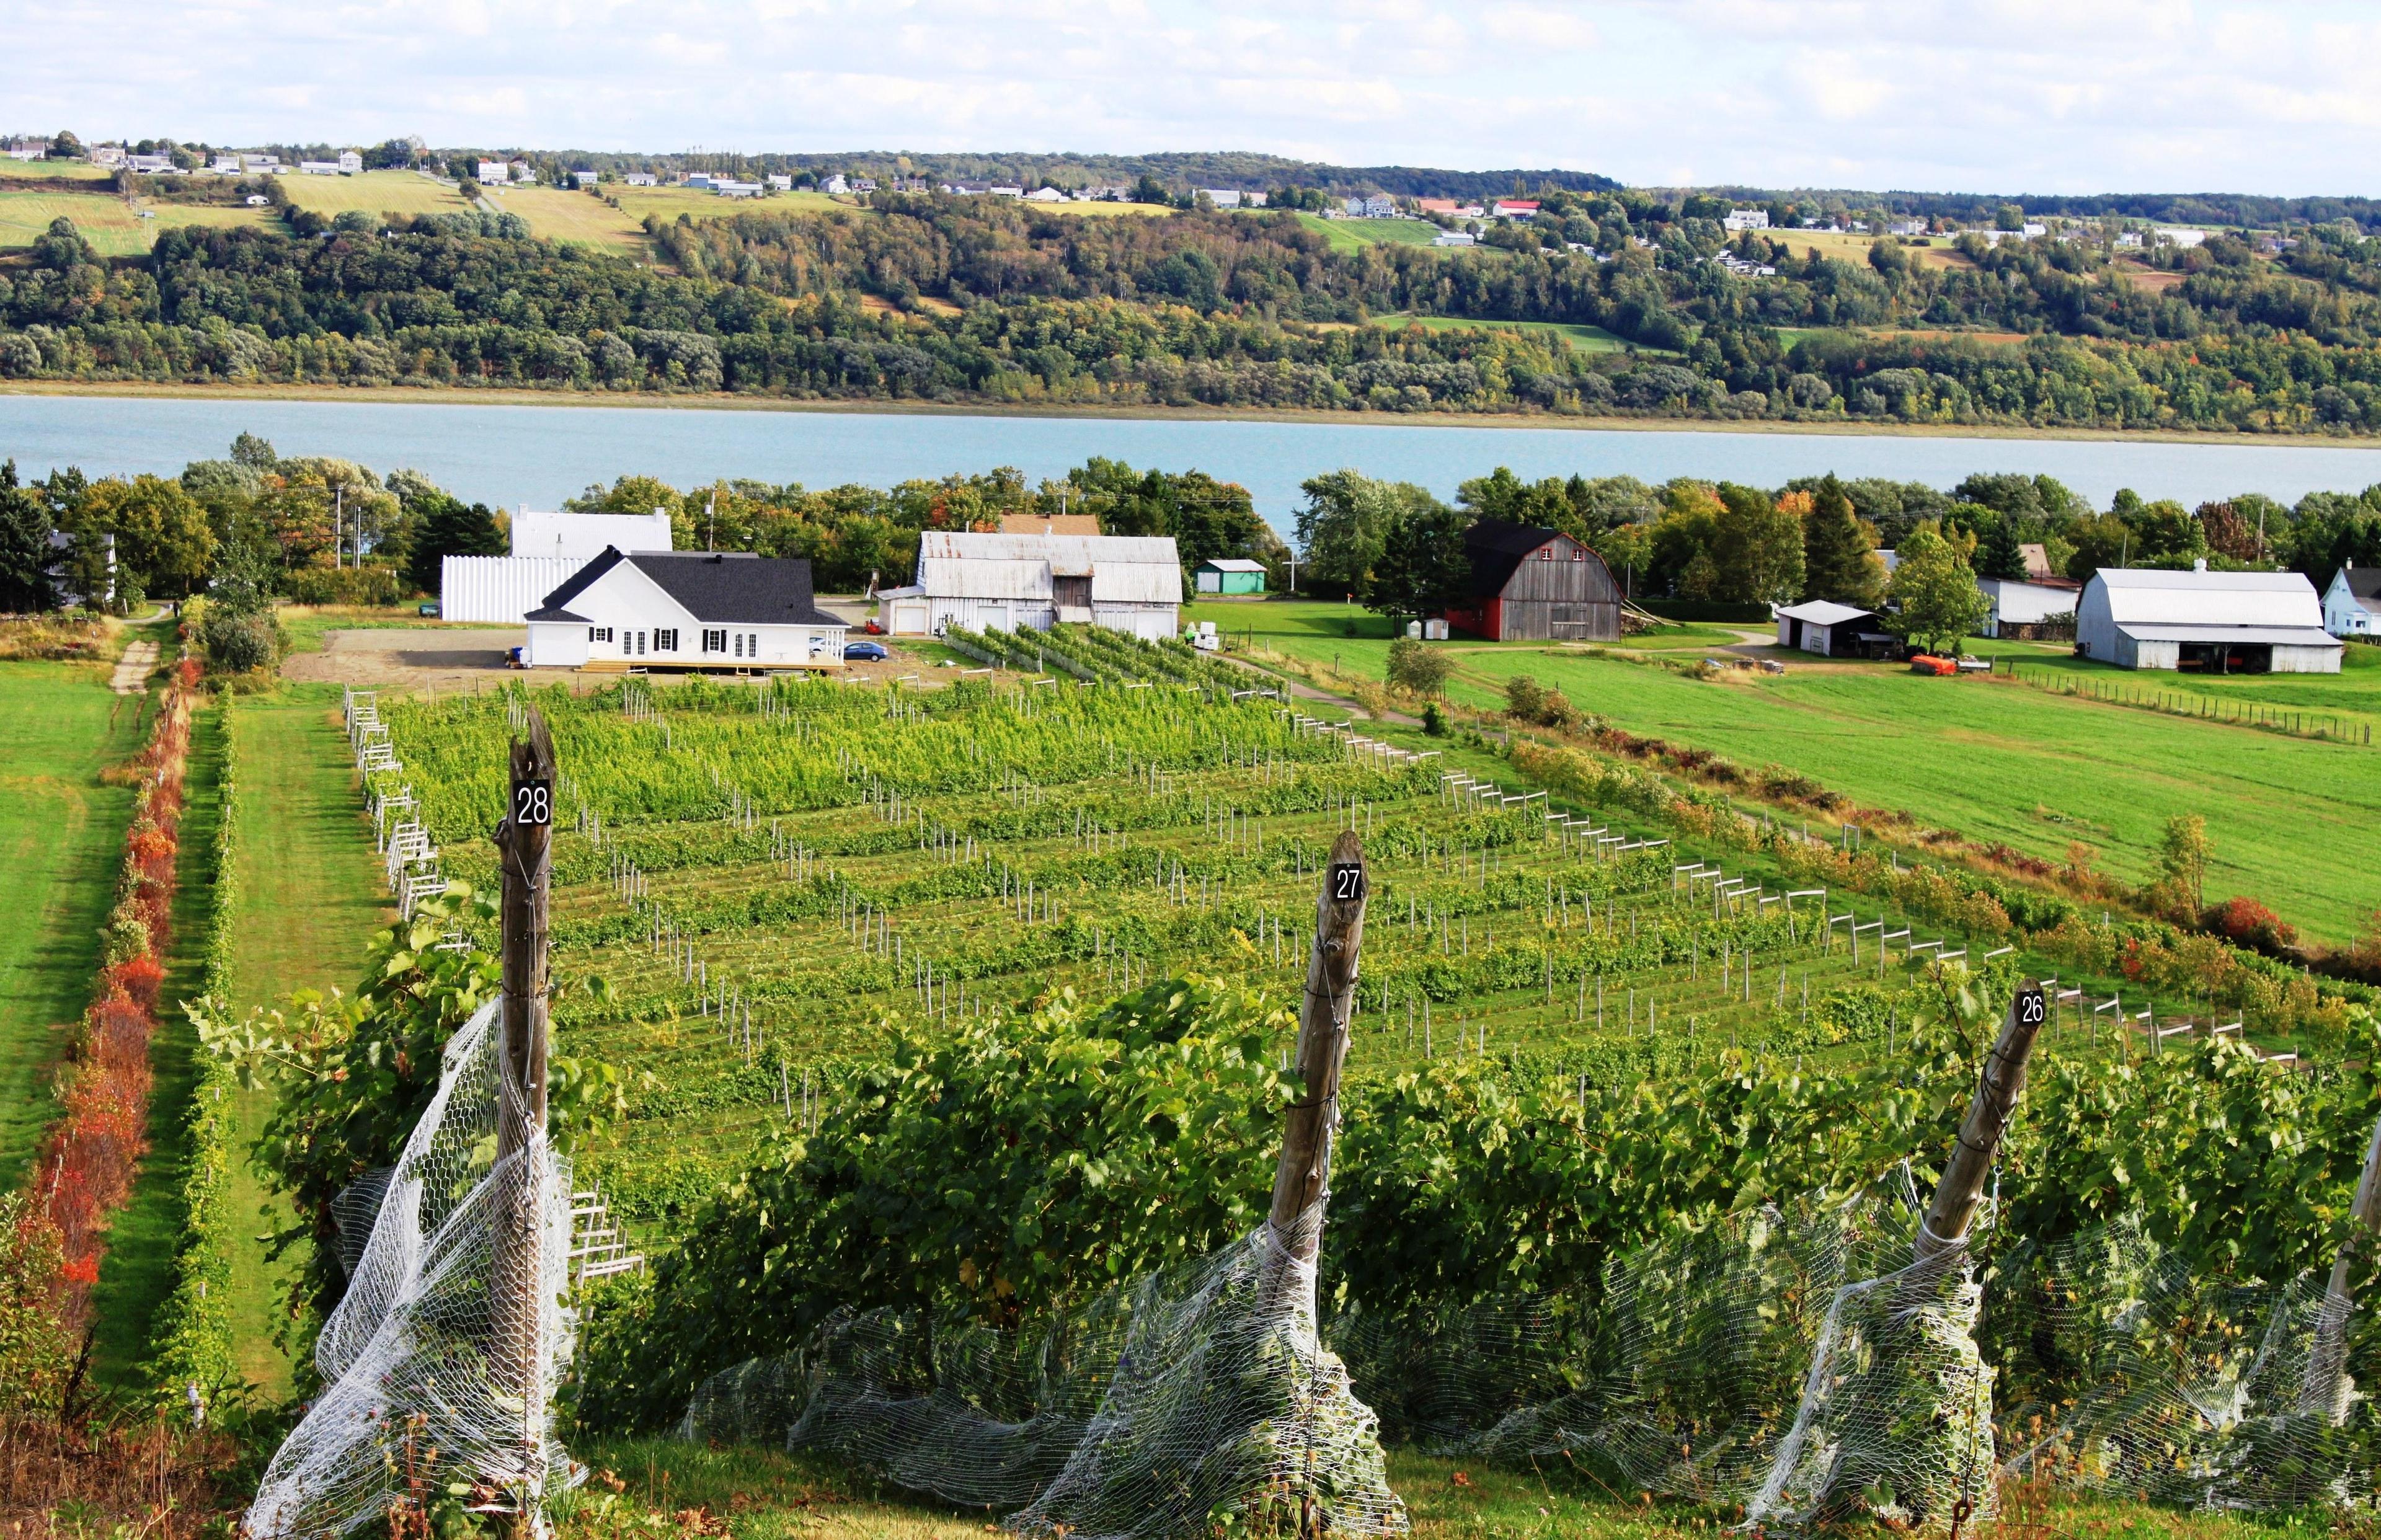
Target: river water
(509, 455)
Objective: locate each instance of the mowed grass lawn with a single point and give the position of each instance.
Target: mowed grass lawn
(61, 835)
(113, 227)
(309, 900)
(1991, 759)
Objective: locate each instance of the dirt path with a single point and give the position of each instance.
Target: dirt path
(1301, 690)
(132, 671)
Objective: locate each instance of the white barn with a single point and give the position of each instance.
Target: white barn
(2351, 605)
(2020, 609)
(2212, 622)
(1033, 581)
(548, 549)
(685, 610)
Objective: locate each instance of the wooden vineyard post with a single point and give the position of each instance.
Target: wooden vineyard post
(1962, 1187)
(525, 854)
(1304, 1173)
(2319, 1394)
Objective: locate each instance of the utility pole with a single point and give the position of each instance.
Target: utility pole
(524, 851)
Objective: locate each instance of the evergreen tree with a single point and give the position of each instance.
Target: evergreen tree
(1997, 552)
(1839, 550)
(25, 555)
(449, 528)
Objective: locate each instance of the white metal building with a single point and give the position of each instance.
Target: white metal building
(2212, 622)
(582, 537)
(1830, 629)
(2351, 605)
(685, 609)
(548, 548)
(2019, 607)
(1018, 581)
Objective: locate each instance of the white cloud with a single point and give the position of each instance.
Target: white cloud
(1999, 96)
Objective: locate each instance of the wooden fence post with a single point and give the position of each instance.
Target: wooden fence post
(2319, 1392)
(524, 849)
(1945, 1229)
(1304, 1173)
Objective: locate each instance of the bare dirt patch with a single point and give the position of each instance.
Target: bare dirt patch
(474, 659)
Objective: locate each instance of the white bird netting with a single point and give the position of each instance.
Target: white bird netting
(440, 1364)
(2179, 1388)
(1196, 1397)
(1779, 1361)
(1789, 1361)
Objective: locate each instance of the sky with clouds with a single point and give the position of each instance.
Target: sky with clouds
(1971, 95)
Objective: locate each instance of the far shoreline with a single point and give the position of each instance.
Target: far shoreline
(723, 401)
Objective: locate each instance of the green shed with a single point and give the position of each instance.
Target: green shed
(1230, 575)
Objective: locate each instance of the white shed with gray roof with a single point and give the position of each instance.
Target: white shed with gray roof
(1032, 582)
(2205, 622)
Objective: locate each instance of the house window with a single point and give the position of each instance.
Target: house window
(715, 642)
(640, 643)
(665, 641)
(599, 633)
(740, 644)
(753, 644)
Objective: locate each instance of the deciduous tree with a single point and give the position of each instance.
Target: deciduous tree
(1936, 588)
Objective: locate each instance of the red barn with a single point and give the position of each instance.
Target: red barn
(1531, 584)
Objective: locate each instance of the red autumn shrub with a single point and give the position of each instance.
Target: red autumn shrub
(139, 978)
(2250, 924)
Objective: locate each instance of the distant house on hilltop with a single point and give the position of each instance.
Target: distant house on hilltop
(1747, 219)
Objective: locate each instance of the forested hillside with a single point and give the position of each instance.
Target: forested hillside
(932, 297)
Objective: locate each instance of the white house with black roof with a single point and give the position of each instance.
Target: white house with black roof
(2351, 605)
(685, 610)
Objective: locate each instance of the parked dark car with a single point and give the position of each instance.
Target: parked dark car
(864, 652)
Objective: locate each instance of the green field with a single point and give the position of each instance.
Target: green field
(1585, 339)
(61, 834)
(1354, 235)
(79, 171)
(2350, 698)
(1988, 758)
(113, 227)
(373, 192)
